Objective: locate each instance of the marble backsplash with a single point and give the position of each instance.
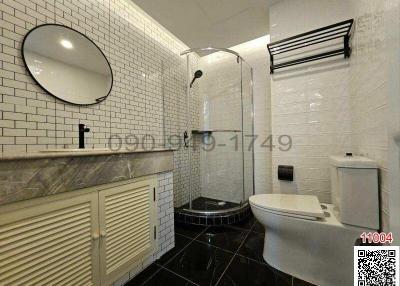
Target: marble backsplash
(31, 178)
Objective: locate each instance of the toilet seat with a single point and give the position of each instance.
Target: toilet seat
(299, 206)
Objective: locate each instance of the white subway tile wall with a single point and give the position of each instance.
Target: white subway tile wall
(334, 107)
(149, 76)
(256, 55)
(309, 103)
(221, 169)
(165, 201)
(217, 171)
(192, 109)
(369, 91)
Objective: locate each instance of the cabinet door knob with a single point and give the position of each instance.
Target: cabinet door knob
(103, 234)
(95, 236)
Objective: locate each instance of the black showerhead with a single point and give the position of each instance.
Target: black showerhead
(197, 75)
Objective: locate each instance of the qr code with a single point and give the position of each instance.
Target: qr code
(376, 265)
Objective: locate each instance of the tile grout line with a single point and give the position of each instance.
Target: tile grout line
(246, 231)
(183, 277)
(202, 242)
(254, 260)
(191, 241)
(217, 247)
(248, 234)
(191, 238)
(263, 262)
(235, 254)
(207, 227)
(223, 273)
(148, 279)
(179, 252)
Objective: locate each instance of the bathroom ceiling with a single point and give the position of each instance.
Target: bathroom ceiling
(217, 23)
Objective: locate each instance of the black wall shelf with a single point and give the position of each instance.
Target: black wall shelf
(311, 38)
(208, 132)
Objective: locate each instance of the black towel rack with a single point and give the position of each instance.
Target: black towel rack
(314, 37)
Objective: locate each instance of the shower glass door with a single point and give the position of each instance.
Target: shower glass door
(249, 138)
(217, 155)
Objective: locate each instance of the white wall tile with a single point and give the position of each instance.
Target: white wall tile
(31, 120)
(332, 108)
(134, 44)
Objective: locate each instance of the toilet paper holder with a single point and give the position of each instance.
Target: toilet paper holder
(285, 173)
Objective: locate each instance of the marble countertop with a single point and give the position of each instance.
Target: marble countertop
(73, 153)
(27, 176)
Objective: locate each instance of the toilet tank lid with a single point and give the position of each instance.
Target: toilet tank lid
(353, 162)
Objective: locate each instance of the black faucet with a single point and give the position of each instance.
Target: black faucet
(82, 131)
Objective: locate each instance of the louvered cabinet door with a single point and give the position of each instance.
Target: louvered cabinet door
(128, 216)
(51, 243)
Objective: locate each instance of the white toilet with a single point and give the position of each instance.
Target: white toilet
(314, 241)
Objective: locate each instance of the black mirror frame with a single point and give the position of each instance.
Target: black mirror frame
(100, 99)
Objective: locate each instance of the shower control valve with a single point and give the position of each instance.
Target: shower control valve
(185, 139)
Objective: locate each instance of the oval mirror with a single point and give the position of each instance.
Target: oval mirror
(67, 64)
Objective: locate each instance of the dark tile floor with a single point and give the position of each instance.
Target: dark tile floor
(223, 256)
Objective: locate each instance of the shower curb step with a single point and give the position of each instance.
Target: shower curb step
(187, 217)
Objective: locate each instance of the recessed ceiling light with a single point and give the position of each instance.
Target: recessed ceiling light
(66, 44)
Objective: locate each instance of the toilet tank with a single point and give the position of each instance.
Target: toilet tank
(354, 190)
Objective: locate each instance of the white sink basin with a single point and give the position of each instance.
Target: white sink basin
(74, 150)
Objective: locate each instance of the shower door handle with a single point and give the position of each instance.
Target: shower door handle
(185, 139)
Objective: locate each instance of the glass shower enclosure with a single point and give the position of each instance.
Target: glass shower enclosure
(219, 133)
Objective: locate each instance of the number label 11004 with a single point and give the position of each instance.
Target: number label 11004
(376, 237)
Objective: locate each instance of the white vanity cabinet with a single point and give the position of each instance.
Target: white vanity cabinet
(128, 227)
(85, 237)
(50, 243)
